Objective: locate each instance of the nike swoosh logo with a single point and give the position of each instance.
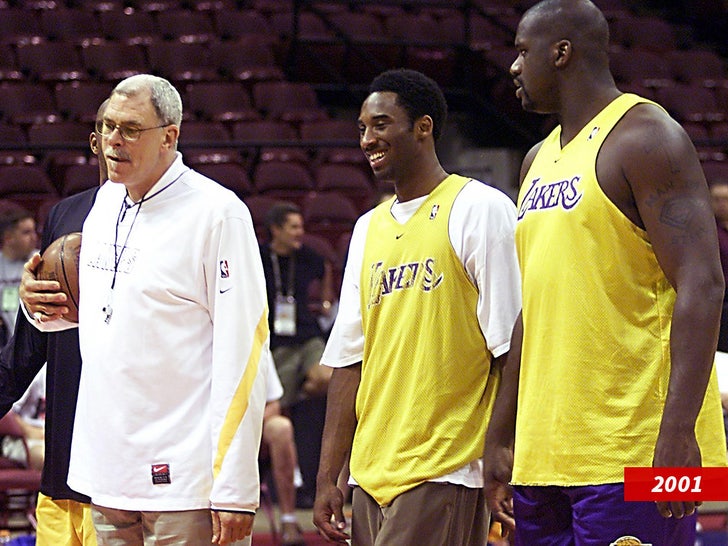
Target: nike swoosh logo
(226, 290)
(158, 468)
(398, 236)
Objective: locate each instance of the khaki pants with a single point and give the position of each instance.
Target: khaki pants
(130, 528)
(431, 514)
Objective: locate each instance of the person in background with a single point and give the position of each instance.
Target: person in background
(63, 515)
(280, 446)
(428, 301)
(297, 340)
(18, 240)
(172, 390)
(29, 412)
(611, 362)
(719, 201)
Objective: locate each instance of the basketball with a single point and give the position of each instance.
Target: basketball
(59, 262)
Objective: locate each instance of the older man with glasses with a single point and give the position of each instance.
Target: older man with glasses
(174, 338)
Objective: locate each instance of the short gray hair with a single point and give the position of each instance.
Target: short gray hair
(165, 98)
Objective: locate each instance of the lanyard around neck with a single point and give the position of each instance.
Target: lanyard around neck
(277, 274)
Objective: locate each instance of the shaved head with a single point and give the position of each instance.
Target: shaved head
(578, 21)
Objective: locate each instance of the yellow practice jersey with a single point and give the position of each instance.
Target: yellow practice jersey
(426, 390)
(597, 311)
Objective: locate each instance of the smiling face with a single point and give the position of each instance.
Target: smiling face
(288, 237)
(137, 164)
(386, 136)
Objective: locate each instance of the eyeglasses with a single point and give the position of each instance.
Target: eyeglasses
(130, 134)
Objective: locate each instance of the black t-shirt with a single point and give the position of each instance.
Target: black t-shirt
(309, 267)
(28, 350)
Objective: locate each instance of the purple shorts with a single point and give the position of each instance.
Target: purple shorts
(595, 515)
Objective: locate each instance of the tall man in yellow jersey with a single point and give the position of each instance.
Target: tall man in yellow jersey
(429, 296)
(622, 288)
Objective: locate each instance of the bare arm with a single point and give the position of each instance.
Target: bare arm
(672, 201)
(499, 439)
(337, 439)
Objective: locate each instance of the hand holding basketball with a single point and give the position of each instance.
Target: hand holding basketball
(59, 262)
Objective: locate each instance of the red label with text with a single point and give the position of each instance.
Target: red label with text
(676, 484)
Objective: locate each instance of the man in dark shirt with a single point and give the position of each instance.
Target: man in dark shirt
(63, 515)
(296, 339)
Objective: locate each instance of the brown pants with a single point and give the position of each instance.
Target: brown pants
(431, 514)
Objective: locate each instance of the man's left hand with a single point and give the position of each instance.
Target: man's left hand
(228, 527)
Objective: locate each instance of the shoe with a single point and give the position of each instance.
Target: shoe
(292, 535)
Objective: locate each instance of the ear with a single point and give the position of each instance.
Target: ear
(424, 126)
(171, 136)
(563, 51)
(93, 142)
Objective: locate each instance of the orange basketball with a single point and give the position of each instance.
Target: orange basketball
(59, 262)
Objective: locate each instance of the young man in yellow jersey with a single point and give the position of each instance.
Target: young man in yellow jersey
(622, 288)
(429, 295)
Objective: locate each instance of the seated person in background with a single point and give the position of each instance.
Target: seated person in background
(279, 444)
(296, 337)
(29, 411)
(18, 239)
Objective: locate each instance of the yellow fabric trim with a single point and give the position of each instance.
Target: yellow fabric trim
(241, 398)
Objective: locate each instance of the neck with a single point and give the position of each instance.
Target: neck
(420, 184)
(577, 111)
(280, 249)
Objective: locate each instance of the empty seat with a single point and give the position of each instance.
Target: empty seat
(67, 145)
(113, 61)
(78, 178)
(9, 69)
(13, 136)
(235, 24)
(63, 132)
(645, 32)
(367, 53)
(330, 130)
(347, 180)
(20, 27)
(231, 175)
(155, 6)
(180, 62)
(641, 66)
(424, 45)
(249, 59)
(129, 26)
(288, 101)
(98, 6)
(76, 26)
(283, 180)
(259, 205)
(715, 170)
(697, 66)
(690, 103)
(26, 185)
(46, 61)
(80, 101)
(269, 140)
(186, 26)
(220, 101)
(329, 214)
(200, 143)
(27, 103)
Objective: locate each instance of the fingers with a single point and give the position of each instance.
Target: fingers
(215, 527)
(228, 527)
(676, 510)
